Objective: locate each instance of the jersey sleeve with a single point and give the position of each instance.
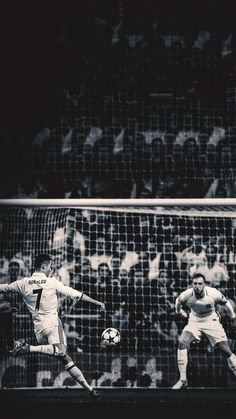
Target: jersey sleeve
(183, 297)
(220, 298)
(67, 291)
(15, 287)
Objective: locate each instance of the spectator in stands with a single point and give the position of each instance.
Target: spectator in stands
(66, 269)
(128, 258)
(131, 372)
(221, 188)
(158, 167)
(107, 291)
(58, 240)
(4, 266)
(168, 261)
(25, 189)
(163, 327)
(76, 243)
(6, 324)
(150, 374)
(177, 162)
(193, 167)
(123, 167)
(213, 271)
(100, 255)
(25, 257)
(86, 277)
(154, 259)
(142, 188)
(73, 338)
(115, 268)
(103, 275)
(163, 187)
(143, 261)
(139, 308)
(172, 189)
(16, 269)
(123, 277)
(193, 254)
(114, 376)
(120, 320)
(210, 163)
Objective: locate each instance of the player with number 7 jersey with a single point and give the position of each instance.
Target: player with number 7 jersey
(40, 293)
(41, 296)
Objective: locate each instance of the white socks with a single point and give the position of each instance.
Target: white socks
(182, 359)
(78, 376)
(43, 349)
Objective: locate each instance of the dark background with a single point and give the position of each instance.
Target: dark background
(39, 40)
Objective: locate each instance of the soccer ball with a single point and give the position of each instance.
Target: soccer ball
(110, 336)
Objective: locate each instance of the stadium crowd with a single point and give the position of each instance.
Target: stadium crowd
(143, 109)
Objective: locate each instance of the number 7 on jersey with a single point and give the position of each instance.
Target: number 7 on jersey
(39, 292)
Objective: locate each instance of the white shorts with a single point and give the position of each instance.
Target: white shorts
(211, 328)
(52, 335)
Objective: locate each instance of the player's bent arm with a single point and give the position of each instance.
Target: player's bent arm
(6, 288)
(71, 292)
(177, 305)
(230, 310)
(91, 300)
(67, 291)
(178, 308)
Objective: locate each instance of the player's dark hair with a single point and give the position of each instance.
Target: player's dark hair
(41, 259)
(198, 275)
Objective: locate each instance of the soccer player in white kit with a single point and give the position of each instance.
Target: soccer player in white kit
(40, 294)
(203, 320)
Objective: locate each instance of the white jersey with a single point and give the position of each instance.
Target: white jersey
(204, 307)
(40, 294)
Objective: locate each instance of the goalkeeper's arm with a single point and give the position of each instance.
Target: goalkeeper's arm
(179, 310)
(230, 309)
(231, 313)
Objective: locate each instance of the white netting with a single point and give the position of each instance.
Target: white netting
(136, 260)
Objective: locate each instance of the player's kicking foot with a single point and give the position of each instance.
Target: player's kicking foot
(20, 347)
(180, 384)
(94, 394)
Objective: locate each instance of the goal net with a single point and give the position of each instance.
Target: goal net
(134, 258)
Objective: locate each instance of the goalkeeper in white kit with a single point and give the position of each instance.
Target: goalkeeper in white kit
(203, 320)
(40, 294)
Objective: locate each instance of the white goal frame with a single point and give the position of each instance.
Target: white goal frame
(118, 202)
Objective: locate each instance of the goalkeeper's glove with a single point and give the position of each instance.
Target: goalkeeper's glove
(182, 314)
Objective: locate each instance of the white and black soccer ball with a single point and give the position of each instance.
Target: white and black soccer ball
(110, 336)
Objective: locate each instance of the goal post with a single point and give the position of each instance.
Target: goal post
(136, 256)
